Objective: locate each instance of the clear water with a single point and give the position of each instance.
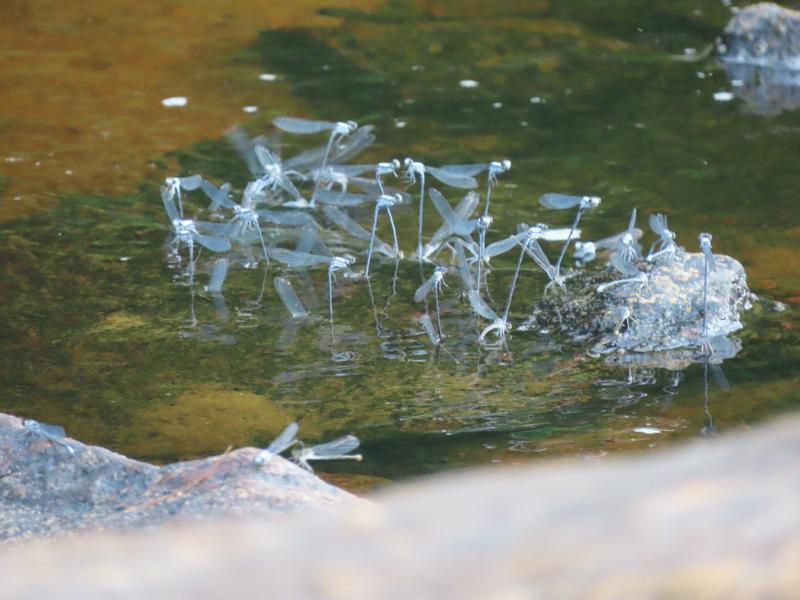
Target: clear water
(96, 328)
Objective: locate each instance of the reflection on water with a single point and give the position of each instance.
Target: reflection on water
(84, 85)
(764, 91)
(579, 99)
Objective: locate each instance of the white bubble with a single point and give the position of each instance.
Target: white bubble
(175, 101)
(268, 77)
(250, 109)
(648, 430)
(497, 105)
(468, 83)
(723, 96)
(537, 100)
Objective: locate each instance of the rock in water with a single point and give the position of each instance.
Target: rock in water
(764, 34)
(663, 315)
(761, 55)
(51, 486)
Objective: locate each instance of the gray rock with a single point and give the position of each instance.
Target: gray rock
(763, 34)
(664, 315)
(51, 485)
(717, 519)
(760, 53)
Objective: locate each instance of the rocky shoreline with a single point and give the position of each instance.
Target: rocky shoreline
(51, 486)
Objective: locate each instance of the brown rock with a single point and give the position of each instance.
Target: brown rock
(50, 487)
(717, 519)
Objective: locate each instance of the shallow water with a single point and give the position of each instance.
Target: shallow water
(97, 333)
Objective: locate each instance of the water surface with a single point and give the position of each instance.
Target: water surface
(97, 326)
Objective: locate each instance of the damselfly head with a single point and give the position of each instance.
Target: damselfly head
(500, 166)
(536, 228)
(412, 168)
(184, 225)
(705, 240)
(386, 201)
(346, 127)
(485, 222)
(386, 168)
(585, 250)
(590, 202)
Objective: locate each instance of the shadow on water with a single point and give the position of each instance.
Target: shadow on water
(100, 334)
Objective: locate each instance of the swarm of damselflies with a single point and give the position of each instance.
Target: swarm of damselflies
(294, 207)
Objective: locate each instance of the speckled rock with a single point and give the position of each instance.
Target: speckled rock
(664, 315)
(52, 487)
(760, 53)
(717, 519)
(764, 34)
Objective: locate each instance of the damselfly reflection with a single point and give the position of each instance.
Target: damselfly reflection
(289, 298)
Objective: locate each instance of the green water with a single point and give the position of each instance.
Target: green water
(97, 333)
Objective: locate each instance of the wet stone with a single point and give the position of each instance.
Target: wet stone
(664, 315)
(760, 53)
(764, 34)
(51, 485)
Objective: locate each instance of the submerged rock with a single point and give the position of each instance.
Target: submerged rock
(51, 485)
(662, 315)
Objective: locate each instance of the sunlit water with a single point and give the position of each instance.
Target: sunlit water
(98, 327)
